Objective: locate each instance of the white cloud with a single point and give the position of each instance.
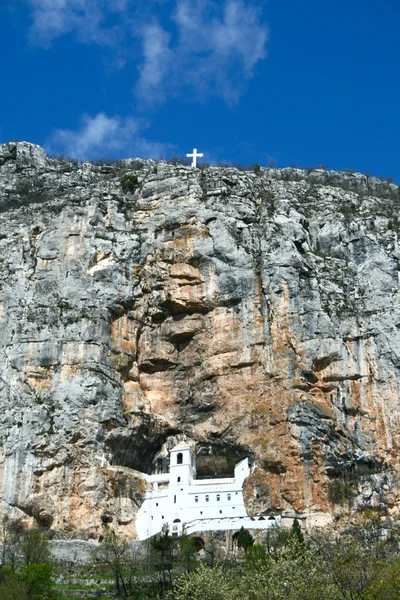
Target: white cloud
(52, 18)
(240, 34)
(100, 136)
(217, 48)
(157, 60)
(211, 47)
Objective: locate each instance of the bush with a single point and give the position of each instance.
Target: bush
(256, 168)
(339, 492)
(129, 183)
(244, 539)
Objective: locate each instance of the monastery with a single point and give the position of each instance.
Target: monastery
(182, 502)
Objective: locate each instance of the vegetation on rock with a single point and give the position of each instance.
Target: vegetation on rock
(129, 183)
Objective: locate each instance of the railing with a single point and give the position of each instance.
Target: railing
(215, 476)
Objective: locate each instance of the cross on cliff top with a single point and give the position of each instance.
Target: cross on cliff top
(195, 155)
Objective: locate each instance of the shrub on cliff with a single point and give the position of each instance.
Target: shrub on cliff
(129, 183)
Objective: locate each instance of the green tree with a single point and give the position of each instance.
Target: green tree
(163, 549)
(32, 582)
(358, 558)
(206, 583)
(188, 549)
(255, 554)
(34, 547)
(11, 586)
(38, 581)
(274, 540)
(115, 554)
(11, 533)
(297, 533)
(245, 539)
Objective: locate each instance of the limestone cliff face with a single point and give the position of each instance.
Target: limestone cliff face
(251, 313)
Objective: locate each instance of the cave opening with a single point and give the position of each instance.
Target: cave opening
(218, 458)
(139, 448)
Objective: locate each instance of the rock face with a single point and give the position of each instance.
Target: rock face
(252, 314)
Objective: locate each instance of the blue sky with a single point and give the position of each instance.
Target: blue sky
(297, 82)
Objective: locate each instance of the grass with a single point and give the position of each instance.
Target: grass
(74, 597)
(84, 587)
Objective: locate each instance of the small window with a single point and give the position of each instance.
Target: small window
(174, 499)
(162, 516)
(201, 512)
(196, 498)
(207, 498)
(156, 503)
(220, 512)
(229, 496)
(218, 497)
(179, 479)
(179, 458)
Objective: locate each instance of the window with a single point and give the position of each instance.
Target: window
(196, 498)
(156, 503)
(220, 512)
(229, 496)
(162, 516)
(179, 479)
(179, 458)
(207, 498)
(218, 497)
(174, 499)
(201, 512)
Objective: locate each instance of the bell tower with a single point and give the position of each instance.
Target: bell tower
(182, 465)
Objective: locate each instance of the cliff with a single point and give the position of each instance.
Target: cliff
(253, 313)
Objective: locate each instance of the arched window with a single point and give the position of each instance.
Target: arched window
(179, 458)
(218, 497)
(196, 498)
(229, 496)
(207, 498)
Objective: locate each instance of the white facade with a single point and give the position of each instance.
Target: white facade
(179, 499)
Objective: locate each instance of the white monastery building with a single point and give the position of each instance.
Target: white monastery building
(179, 500)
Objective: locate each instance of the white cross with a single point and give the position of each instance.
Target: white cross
(102, 459)
(195, 155)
